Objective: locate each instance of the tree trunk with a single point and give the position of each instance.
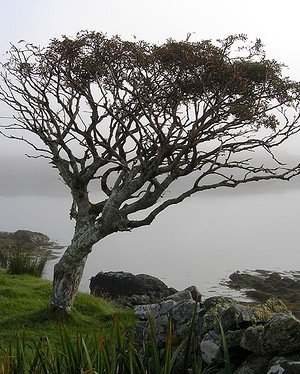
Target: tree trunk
(68, 271)
(67, 276)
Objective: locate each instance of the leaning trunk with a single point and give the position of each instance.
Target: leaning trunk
(67, 276)
(68, 271)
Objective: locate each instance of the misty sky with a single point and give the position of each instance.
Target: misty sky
(275, 22)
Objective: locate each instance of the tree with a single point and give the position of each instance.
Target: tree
(136, 118)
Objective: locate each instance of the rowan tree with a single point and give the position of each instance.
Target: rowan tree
(134, 118)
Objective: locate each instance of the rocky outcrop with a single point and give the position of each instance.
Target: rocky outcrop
(23, 237)
(27, 236)
(257, 336)
(33, 243)
(128, 289)
(261, 285)
(175, 309)
(281, 335)
(260, 338)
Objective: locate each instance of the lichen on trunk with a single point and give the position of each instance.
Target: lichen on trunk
(69, 270)
(68, 273)
(66, 280)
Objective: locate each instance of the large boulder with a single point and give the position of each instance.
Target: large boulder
(129, 289)
(281, 335)
(237, 316)
(212, 308)
(211, 348)
(180, 313)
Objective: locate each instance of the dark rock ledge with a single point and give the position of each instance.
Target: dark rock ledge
(128, 290)
(260, 285)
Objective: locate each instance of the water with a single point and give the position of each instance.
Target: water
(198, 242)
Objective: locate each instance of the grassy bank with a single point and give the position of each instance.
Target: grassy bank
(94, 338)
(24, 306)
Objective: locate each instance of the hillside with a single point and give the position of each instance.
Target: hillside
(24, 305)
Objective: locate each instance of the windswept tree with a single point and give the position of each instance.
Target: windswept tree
(133, 119)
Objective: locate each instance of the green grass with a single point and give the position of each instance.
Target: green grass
(24, 305)
(94, 338)
(21, 262)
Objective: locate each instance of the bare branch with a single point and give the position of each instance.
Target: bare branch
(138, 117)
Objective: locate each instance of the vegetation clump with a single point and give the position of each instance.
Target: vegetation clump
(264, 312)
(22, 262)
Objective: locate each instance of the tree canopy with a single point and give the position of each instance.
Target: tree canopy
(136, 117)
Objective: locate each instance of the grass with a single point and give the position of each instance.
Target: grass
(227, 364)
(94, 338)
(24, 305)
(113, 353)
(20, 262)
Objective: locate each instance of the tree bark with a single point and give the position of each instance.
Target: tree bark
(67, 276)
(69, 270)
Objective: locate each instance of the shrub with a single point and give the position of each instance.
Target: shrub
(21, 262)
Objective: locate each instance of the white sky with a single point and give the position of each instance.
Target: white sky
(275, 22)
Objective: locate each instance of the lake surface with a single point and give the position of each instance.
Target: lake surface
(199, 242)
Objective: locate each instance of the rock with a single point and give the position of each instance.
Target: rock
(218, 303)
(159, 310)
(157, 314)
(237, 316)
(180, 296)
(129, 289)
(248, 281)
(183, 311)
(213, 307)
(252, 339)
(35, 244)
(179, 313)
(254, 365)
(211, 348)
(27, 236)
(254, 334)
(245, 332)
(196, 295)
(284, 366)
(263, 285)
(233, 340)
(281, 334)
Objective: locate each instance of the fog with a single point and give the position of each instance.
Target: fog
(209, 235)
(200, 241)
